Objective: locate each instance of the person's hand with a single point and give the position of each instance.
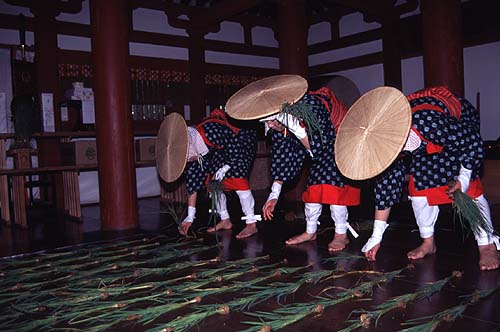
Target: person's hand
(184, 227)
(221, 172)
(452, 187)
(268, 209)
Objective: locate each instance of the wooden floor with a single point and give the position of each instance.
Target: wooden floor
(456, 252)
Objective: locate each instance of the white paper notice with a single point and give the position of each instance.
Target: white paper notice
(187, 112)
(48, 112)
(64, 113)
(3, 113)
(88, 115)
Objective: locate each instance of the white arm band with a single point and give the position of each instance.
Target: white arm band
(191, 214)
(275, 191)
(464, 178)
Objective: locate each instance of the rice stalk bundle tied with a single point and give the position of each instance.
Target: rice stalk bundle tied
(431, 323)
(469, 214)
(287, 315)
(367, 318)
(303, 112)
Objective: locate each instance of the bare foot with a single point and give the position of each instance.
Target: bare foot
(488, 257)
(339, 242)
(249, 230)
(428, 247)
(304, 237)
(372, 253)
(223, 224)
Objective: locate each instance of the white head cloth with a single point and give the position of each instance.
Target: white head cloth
(269, 118)
(197, 146)
(413, 141)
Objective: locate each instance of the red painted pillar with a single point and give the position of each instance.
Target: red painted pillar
(292, 37)
(110, 52)
(443, 44)
(47, 81)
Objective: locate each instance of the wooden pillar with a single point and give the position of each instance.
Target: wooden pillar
(443, 44)
(115, 148)
(47, 81)
(197, 75)
(292, 37)
(391, 52)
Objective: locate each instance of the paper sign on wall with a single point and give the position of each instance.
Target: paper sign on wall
(187, 112)
(48, 112)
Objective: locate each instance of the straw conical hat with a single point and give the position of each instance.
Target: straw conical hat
(265, 97)
(373, 133)
(172, 147)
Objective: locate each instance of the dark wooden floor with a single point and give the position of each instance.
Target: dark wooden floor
(456, 251)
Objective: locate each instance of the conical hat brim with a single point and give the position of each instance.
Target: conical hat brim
(373, 133)
(172, 147)
(265, 97)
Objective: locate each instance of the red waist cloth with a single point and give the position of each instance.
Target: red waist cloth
(328, 194)
(438, 195)
(235, 184)
(232, 184)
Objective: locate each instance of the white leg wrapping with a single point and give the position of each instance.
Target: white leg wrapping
(340, 215)
(379, 227)
(485, 238)
(312, 212)
(221, 206)
(247, 206)
(425, 215)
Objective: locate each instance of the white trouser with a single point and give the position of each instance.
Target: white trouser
(425, 215)
(484, 238)
(247, 206)
(339, 215)
(312, 212)
(221, 206)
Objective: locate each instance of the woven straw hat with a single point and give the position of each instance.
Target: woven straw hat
(172, 147)
(373, 133)
(265, 97)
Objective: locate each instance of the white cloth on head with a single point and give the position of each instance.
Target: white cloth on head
(191, 214)
(293, 124)
(312, 212)
(247, 206)
(485, 238)
(425, 215)
(269, 118)
(197, 146)
(413, 141)
(340, 215)
(464, 178)
(221, 206)
(379, 227)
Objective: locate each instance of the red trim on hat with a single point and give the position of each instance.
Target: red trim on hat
(328, 194)
(337, 110)
(443, 94)
(438, 195)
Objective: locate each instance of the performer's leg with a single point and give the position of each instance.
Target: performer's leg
(379, 226)
(426, 217)
(339, 215)
(312, 212)
(247, 206)
(488, 243)
(225, 221)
